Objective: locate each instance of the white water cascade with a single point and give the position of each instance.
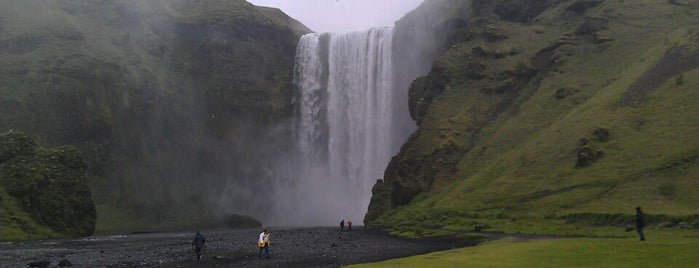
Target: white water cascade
(351, 121)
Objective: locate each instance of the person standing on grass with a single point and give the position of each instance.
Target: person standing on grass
(263, 243)
(198, 244)
(640, 223)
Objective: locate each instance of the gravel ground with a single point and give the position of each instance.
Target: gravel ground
(291, 247)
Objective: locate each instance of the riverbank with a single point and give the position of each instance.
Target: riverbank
(291, 247)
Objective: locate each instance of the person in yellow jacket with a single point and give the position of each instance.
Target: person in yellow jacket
(263, 243)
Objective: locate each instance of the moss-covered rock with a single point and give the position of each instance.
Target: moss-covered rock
(50, 185)
(14, 144)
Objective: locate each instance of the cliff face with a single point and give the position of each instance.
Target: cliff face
(153, 93)
(547, 110)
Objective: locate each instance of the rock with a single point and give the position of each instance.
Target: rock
(14, 144)
(592, 25)
(404, 190)
(520, 11)
(236, 221)
(39, 264)
(564, 92)
(50, 184)
(588, 156)
(65, 263)
(601, 134)
(579, 7)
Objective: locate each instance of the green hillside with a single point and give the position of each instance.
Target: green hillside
(159, 96)
(550, 117)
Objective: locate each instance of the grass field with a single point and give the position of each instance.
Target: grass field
(666, 248)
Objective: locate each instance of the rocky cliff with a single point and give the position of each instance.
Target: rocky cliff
(154, 94)
(542, 111)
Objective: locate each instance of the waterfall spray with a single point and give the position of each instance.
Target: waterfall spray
(350, 122)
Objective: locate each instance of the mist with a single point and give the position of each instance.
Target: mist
(177, 122)
(351, 117)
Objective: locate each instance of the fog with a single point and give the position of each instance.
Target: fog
(351, 117)
(173, 147)
(342, 16)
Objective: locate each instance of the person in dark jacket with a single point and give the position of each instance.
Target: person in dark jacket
(342, 225)
(640, 223)
(198, 244)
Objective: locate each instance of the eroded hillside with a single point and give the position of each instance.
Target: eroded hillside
(549, 115)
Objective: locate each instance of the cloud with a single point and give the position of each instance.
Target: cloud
(342, 15)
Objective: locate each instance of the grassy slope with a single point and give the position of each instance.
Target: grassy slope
(15, 224)
(667, 249)
(521, 174)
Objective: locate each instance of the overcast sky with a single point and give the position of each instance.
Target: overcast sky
(342, 15)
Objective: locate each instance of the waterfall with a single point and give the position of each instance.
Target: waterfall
(350, 121)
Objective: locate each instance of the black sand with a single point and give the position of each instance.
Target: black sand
(291, 247)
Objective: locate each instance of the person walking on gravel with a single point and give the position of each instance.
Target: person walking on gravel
(198, 244)
(263, 243)
(342, 225)
(640, 223)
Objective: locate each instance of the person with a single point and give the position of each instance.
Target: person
(263, 243)
(198, 244)
(640, 223)
(342, 225)
(349, 225)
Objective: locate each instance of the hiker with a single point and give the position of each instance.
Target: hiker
(198, 244)
(263, 243)
(342, 225)
(349, 225)
(640, 223)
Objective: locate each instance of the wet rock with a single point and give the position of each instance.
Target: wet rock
(65, 263)
(404, 191)
(237, 221)
(39, 264)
